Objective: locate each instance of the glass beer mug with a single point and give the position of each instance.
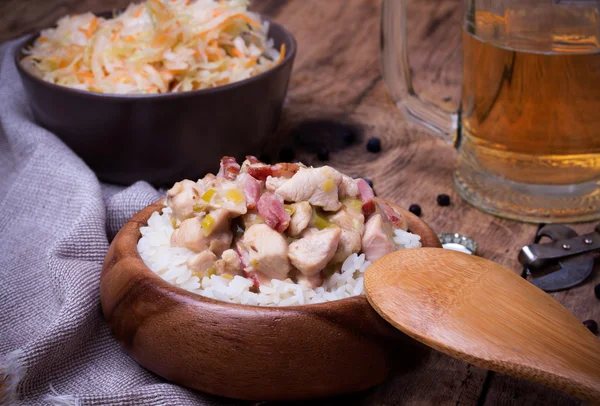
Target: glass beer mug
(528, 126)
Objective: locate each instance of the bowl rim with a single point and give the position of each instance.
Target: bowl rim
(20, 47)
(140, 220)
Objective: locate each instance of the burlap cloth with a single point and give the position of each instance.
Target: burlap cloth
(56, 220)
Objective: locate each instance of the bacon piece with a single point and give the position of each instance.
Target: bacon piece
(262, 171)
(249, 270)
(253, 160)
(366, 197)
(391, 215)
(229, 168)
(254, 278)
(251, 189)
(270, 207)
(284, 170)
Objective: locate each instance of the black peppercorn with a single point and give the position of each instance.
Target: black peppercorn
(374, 144)
(415, 209)
(443, 200)
(591, 325)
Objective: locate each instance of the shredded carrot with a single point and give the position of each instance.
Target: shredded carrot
(92, 27)
(160, 40)
(43, 39)
(129, 38)
(84, 74)
(115, 35)
(139, 12)
(228, 20)
(236, 52)
(248, 20)
(63, 64)
(251, 62)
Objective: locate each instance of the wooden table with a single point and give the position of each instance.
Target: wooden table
(337, 81)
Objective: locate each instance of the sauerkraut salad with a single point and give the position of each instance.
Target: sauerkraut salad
(158, 46)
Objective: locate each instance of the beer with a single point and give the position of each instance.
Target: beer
(528, 125)
(531, 96)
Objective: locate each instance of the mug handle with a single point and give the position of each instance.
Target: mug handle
(397, 77)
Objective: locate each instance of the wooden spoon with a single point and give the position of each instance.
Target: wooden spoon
(481, 312)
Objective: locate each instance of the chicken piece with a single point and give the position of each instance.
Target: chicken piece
(273, 183)
(251, 218)
(348, 187)
(367, 196)
(267, 252)
(377, 241)
(270, 207)
(204, 232)
(189, 235)
(349, 219)
(207, 180)
(232, 197)
(352, 224)
(300, 219)
(182, 197)
(311, 253)
(224, 193)
(350, 243)
(221, 236)
(311, 282)
(229, 264)
(201, 264)
(318, 186)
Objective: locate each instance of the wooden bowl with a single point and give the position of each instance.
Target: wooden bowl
(242, 351)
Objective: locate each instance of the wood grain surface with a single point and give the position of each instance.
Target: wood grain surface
(337, 79)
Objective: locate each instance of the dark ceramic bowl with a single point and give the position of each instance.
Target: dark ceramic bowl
(163, 138)
(249, 352)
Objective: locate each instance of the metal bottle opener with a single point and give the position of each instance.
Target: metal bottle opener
(563, 263)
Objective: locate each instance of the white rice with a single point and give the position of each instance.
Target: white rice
(170, 264)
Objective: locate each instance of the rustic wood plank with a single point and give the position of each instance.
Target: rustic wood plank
(337, 81)
(412, 168)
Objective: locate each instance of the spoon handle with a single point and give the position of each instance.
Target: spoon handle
(579, 375)
(483, 313)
